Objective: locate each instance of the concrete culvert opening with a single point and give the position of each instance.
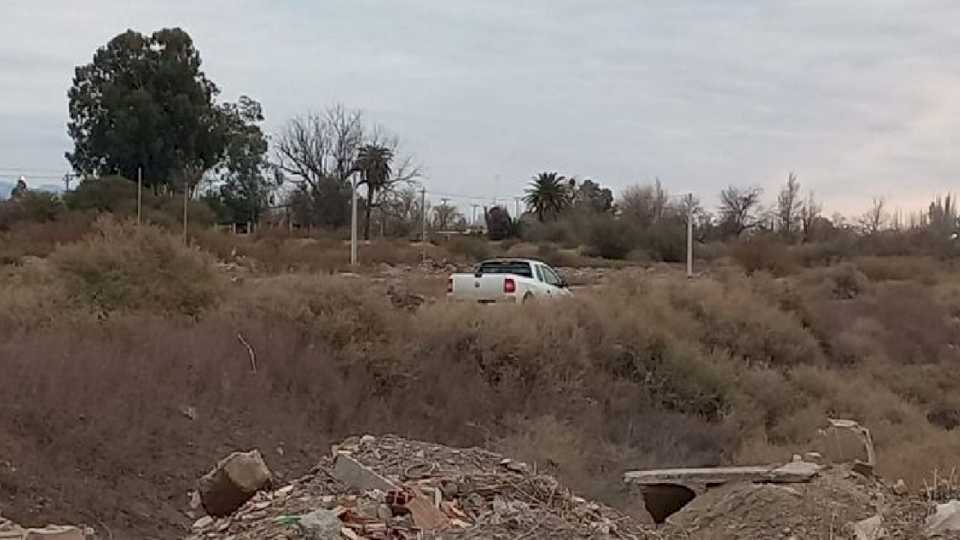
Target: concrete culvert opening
(664, 500)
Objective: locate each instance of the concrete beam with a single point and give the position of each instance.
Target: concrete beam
(790, 473)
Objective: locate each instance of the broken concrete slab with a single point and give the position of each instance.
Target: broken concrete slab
(58, 532)
(794, 472)
(945, 519)
(869, 529)
(320, 525)
(232, 482)
(846, 441)
(666, 491)
(357, 475)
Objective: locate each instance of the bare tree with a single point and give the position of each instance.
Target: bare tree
(809, 213)
(644, 204)
(942, 216)
(321, 151)
(445, 215)
(316, 147)
(875, 218)
(739, 209)
(789, 207)
(318, 153)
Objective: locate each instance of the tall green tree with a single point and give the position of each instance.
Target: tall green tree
(549, 194)
(590, 196)
(144, 102)
(374, 165)
(246, 180)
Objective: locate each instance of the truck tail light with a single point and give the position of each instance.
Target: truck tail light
(509, 286)
(450, 286)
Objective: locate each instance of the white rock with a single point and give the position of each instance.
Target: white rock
(202, 523)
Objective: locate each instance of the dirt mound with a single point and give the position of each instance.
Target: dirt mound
(392, 488)
(825, 507)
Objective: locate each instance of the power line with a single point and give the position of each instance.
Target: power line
(26, 170)
(36, 176)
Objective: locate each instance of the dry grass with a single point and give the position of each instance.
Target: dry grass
(650, 370)
(125, 267)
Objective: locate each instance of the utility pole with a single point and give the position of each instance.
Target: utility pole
(423, 224)
(353, 224)
(186, 196)
(139, 195)
(516, 201)
(689, 206)
(473, 219)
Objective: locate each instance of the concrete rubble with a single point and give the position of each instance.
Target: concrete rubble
(846, 441)
(869, 529)
(945, 519)
(232, 482)
(699, 479)
(378, 488)
(666, 491)
(11, 531)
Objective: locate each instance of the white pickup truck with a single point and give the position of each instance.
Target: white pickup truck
(507, 280)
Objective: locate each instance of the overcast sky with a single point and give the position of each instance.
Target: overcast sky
(860, 98)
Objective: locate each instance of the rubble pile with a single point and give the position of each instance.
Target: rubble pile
(11, 531)
(381, 488)
(829, 505)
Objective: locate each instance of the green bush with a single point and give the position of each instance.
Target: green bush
(113, 194)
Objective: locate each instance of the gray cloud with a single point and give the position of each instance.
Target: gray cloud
(857, 97)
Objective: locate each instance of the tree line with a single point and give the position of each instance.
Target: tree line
(144, 108)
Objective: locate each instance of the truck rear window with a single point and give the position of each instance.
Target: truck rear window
(506, 267)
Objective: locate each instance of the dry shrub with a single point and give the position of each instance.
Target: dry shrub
(470, 248)
(36, 239)
(274, 251)
(610, 238)
(921, 269)
(563, 232)
(651, 370)
(32, 297)
(339, 310)
(737, 320)
(275, 255)
(526, 250)
(847, 282)
(125, 267)
(763, 253)
(396, 252)
(918, 327)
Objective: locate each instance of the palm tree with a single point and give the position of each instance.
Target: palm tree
(549, 192)
(373, 163)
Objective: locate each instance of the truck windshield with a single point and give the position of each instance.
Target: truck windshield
(506, 267)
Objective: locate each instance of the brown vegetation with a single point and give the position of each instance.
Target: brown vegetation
(109, 340)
